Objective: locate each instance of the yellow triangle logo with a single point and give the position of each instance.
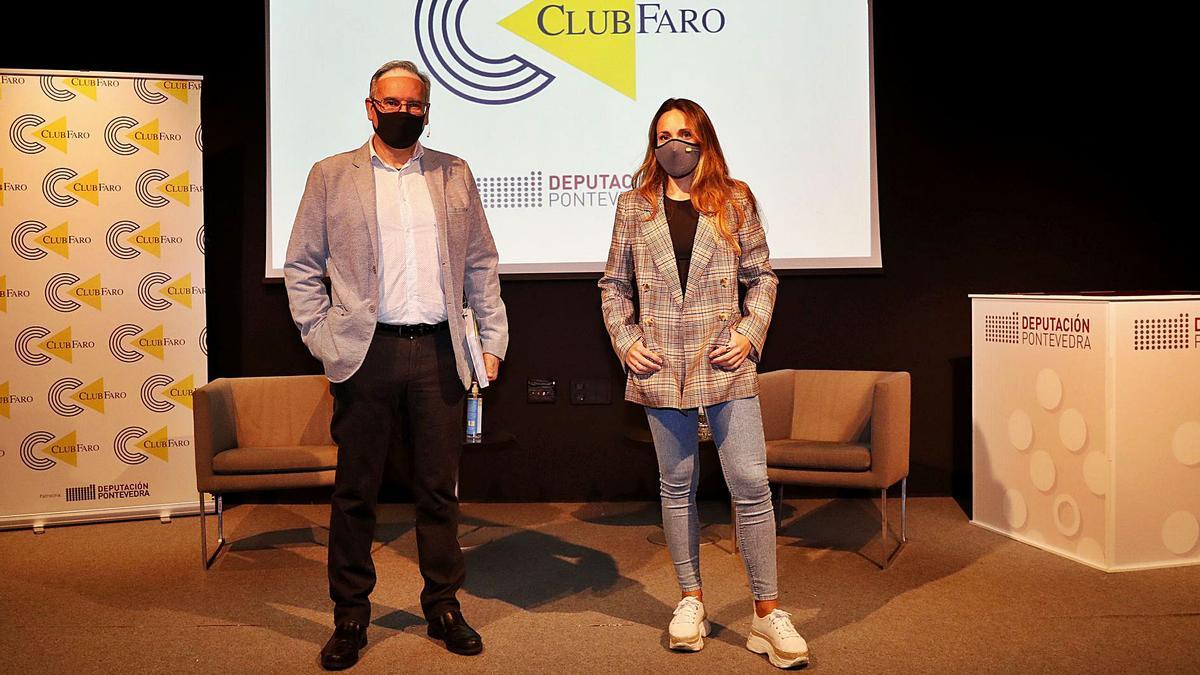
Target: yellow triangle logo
(175, 88)
(91, 180)
(57, 136)
(155, 444)
(5, 406)
(88, 292)
(67, 449)
(3, 295)
(149, 132)
(567, 30)
(150, 237)
(180, 193)
(91, 395)
(83, 85)
(181, 391)
(151, 342)
(63, 336)
(55, 240)
(178, 291)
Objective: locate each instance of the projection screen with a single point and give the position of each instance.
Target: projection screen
(550, 101)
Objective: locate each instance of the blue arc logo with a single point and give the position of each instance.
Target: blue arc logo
(458, 68)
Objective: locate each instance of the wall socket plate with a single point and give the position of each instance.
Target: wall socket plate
(541, 390)
(591, 392)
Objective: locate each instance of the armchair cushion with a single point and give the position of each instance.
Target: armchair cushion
(818, 455)
(276, 459)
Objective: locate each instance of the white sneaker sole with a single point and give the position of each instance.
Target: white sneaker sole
(760, 645)
(681, 645)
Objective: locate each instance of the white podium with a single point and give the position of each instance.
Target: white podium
(1086, 421)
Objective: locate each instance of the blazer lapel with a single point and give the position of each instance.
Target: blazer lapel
(435, 179)
(364, 182)
(702, 251)
(658, 241)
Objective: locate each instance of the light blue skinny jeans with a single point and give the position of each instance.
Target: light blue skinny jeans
(738, 432)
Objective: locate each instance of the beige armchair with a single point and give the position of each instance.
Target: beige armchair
(260, 433)
(839, 428)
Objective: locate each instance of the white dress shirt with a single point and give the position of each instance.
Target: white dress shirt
(411, 289)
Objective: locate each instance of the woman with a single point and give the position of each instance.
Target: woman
(684, 238)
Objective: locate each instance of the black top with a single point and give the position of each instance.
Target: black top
(682, 218)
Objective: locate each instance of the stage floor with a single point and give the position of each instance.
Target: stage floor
(568, 588)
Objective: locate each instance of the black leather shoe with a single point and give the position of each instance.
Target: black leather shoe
(460, 638)
(341, 651)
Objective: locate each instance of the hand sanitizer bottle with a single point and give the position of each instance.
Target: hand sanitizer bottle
(474, 415)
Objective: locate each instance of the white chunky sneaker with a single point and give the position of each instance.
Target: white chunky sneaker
(690, 625)
(775, 636)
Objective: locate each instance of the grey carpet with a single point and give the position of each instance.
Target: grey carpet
(576, 588)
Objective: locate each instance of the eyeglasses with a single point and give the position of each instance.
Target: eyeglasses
(391, 105)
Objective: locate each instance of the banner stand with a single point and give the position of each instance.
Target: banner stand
(102, 295)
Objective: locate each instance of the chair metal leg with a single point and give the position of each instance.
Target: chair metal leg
(779, 509)
(733, 517)
(205, 559)
(889, 557)
(203, 535)
(884, 537)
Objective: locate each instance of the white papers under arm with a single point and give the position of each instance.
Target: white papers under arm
(474, 347)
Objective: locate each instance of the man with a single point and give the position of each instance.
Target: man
(401, 232)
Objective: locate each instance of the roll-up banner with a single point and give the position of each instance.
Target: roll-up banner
(102, 295)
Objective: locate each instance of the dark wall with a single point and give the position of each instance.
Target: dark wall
(1018, 151)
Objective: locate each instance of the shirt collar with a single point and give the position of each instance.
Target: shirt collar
(414, 163)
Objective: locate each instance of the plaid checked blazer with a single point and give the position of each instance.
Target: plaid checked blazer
(682, 325)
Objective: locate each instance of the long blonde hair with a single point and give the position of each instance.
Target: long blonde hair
(712, 190)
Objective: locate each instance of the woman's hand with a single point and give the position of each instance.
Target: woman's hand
(641, 360)
(731, 355)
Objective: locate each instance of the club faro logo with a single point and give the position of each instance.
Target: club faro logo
(127, 240)
(9, 398)
(41, 451)
(134, 445)
(158, 291)
(130, 343)
(161, 392)
(597, 37)
(69, 396)
(161, 91)
(126, 136)
(9, 186)
(65, 292)
(154, 186)
(7, 293)
(32, 241)
(31, 134)
(63, 89)
(65, 187)
(35, 345)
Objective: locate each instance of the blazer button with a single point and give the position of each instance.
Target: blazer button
(371, 308)
(645, 287)
(649, 322)
(724, 282)
(723, 316)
